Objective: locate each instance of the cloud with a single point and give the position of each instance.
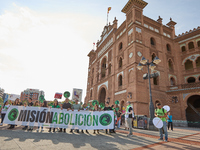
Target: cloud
(46, 51)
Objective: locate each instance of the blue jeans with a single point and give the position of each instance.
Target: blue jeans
(118, 123)
(165, 131)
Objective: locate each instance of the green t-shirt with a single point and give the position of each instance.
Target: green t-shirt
(56, 106)
(160, 113)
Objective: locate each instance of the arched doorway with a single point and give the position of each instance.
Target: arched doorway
(193, 111)
(102, 95)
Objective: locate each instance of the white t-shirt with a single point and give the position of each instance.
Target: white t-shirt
(4, 110)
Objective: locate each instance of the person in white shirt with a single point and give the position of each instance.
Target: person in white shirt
(3, 111)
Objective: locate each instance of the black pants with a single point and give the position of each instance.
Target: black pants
(2, 117)
(170, 124)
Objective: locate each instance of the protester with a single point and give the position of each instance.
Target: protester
(169, 120)
(118, 113)
(25, 104)
(4, 109)
(129, 115)
(29, 104)
(162, 114)
(15, 103)
(96, 108)
(67, 106)
(107, 108)
(55, 105)
(84, 107)
(76, 107)
(36, 104)
(44, 104)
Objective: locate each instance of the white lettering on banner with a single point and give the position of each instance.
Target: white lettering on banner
(53, 117)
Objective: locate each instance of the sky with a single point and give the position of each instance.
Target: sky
(44, 43)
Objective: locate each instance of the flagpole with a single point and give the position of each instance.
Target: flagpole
(107, 18)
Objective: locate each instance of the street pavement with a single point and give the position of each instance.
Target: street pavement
(17, 139)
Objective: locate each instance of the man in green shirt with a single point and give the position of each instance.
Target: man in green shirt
(162, 114)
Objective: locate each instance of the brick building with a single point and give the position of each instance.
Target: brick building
(113, 73)
(33, 93)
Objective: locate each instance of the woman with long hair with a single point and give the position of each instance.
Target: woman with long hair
(96, 108)
(4, 109)
(55, 105)
(15, 103)
(36, 104)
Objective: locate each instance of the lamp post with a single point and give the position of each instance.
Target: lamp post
(151, 65)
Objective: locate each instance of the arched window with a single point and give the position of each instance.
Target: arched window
(198, 62)
(198, 43)
(153, 42)
(103, 68)
(190, 45)
(120, 62)
(172, 81)
(97, 77)
(90, 93)
(156, 81)
(153, 56)
(120, 46)
(170, 65)
(188, 65)
(109, 69)
(191, 80)
(168, 47)
(91, 81)
(120, 81)
(183, 49)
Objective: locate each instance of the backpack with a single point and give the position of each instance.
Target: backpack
(162, 110)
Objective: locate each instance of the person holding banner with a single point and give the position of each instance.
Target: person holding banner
(55, 105)
(16, 103)
(107, 107)
(84, 107)
(76, 107)
(44, 104)
(67, 106)
(96, 108)
(130, 116)
(30, 103)
(36, 104)
(162, 114)
(4, 109)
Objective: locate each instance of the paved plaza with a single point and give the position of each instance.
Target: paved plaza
(17, 139)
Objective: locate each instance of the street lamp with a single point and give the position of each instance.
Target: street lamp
(151, 65)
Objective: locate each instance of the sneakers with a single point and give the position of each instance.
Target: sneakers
(1, 124)
(160, 139)
(82, 131)
(87, 131)
(49, 130)
(30, 129)
(129, 135)
(37, 130)
(71, 131)
(166, 140)
(94, 132)
(42, 130)
(24, 128)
